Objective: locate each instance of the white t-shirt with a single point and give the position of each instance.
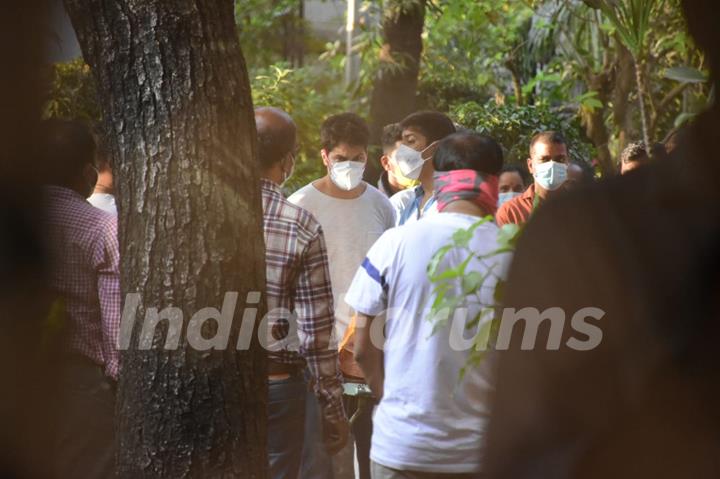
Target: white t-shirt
(350, 227)
(429, 420)
(406, 204)
(104, 201)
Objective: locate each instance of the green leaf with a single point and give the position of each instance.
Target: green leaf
(508, 234)
(472, 281)
(686, 75)
(437, 259)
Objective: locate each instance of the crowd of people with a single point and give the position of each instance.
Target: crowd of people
(342, 256)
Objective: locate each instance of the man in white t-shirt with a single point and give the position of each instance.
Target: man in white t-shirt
(353, 215)
(430, 420)
(420, 133)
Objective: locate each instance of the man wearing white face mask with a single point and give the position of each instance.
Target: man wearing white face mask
(421, 133)
(353, 215)
(548, 164)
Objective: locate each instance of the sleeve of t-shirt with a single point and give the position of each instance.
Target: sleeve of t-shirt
(299, 198)
(369, 288)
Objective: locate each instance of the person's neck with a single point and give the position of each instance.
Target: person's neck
(326, 185)
(466, 208)
(541, 192)
(426, 180)
(394, 186)
(103, 189)
(274, 175)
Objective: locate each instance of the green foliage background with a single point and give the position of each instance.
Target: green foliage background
(508, 68)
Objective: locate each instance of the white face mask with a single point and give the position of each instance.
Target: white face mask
(347, 175)
(409, 161)
(550, 175)
(507, 196)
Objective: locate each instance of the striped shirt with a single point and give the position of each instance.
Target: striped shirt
(299, 291)
(85, 273)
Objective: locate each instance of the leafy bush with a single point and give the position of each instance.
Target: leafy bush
(72, 93)
(309, 94)
(514, 126)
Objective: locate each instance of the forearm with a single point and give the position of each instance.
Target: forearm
(370, 356)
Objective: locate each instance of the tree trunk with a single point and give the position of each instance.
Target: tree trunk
(175, 97)
(394, 92)
(641, 92)
(624, 80)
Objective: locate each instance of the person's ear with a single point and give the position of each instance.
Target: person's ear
(385, 162)
(324, 156)
(530, 166)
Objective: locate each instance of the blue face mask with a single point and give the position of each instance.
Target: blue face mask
(508, 195)
(550, 175)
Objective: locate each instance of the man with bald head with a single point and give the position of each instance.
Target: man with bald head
(300, 315)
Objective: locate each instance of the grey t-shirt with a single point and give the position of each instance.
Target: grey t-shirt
(351, 227)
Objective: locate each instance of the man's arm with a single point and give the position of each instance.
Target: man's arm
(368, 353)
(106, 259)
(315, 321)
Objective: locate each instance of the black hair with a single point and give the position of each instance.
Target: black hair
(548, 137)
(637, 151)
(103, 157)
(66, 148)
(432, 124)
(276, 139)
(469, 151)
(391, 134)
(524, 174)
(346, 128)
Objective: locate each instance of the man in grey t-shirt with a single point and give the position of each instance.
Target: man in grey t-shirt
(353, 215)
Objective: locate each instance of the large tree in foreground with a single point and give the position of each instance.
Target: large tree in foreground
(176, 103)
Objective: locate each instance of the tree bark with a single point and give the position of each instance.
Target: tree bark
(175, 97)
(624, 81)
(394, 92)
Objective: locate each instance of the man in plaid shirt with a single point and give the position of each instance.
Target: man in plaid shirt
(84, 277)
(300, 307)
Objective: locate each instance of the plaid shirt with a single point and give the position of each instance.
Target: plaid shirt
(298, 288)
(85, 273)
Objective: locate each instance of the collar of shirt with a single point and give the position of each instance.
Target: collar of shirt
(63, 193)
(270, 186)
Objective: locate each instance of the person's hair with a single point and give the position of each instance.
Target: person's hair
(275, 139)
(675, 138)
(547, 137)
(637, 151)
(524, 175)
(391, 134)
(432, 124)
(103, 158)
(347, 128)
(469, 151)
(66, 148)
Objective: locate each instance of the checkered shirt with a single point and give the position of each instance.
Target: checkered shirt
(299, 291)
(85, 273)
